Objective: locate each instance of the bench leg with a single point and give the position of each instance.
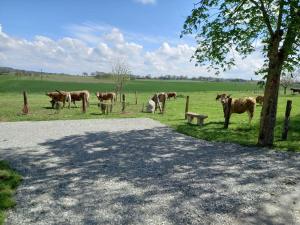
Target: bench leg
(190, 119)
(200, 121)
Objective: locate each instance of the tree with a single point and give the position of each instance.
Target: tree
(287, 80)
(120, 73)
(234, 26)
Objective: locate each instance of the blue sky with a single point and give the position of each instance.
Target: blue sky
(53, 18)
(76, 36)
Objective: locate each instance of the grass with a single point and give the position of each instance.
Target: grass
(9, 180)
(202, 100)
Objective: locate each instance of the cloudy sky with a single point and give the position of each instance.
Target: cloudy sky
(89, 35)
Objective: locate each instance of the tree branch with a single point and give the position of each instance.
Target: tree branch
(265, 15)
(279, 21)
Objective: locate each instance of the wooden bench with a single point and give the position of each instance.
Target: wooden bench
(200, 118)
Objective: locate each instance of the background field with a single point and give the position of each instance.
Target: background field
(202, 100)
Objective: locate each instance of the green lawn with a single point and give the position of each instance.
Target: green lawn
(9, 181)
(202, 100)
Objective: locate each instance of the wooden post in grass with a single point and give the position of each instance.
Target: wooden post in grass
(120, 97)
(123, 103)
(143, 108)
(163, 105)
(286, 120)
(227, 113)
(186, 106)
(84, 103)
(135, 97)
(25, 109)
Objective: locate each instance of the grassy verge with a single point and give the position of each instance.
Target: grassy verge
(9, 180)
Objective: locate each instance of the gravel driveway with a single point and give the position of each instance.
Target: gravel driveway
(137, 171)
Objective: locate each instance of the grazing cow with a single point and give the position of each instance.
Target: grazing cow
(104, 96)
(240, 105)
(295, 90)
(78, 95)
(172, 95)
(160, 96)
(59, 96)
(150, 108)
(260, 99)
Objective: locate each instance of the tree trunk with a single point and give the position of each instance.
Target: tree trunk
(284, 90)
(269, 110)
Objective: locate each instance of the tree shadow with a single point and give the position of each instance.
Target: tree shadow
(150, 177)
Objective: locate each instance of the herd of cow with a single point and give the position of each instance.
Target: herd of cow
(240, 105)
(73, 96)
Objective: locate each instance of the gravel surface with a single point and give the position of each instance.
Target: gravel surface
(137, 171)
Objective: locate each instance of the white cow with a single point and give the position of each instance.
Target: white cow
(150, 108)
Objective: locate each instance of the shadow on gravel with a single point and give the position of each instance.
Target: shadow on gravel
(156, 176)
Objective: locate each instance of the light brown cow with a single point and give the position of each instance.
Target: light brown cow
(172, 95)
(78, 95)
(160, 96)
(59, 96)
(240, 105)
(104, 96)
(260, 99)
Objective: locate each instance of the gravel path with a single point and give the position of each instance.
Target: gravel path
(137, 171)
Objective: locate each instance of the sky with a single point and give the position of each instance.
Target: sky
(91, 35)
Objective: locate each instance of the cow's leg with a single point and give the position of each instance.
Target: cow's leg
(250, 115)
(52, 103)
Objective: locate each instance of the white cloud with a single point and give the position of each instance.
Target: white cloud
(146, 2)
(81, 54)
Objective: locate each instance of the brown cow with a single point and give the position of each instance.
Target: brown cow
(161, 97)
(104, 96)
(240, 105)
(78, 95)
(172, 95)
(59, 96)
(260, 99)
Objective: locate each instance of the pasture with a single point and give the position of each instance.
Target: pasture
(202, 100)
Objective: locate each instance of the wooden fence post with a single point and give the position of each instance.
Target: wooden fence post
(163, 105)
(123, 103)
(227, 113)
(186, 106)
(286, 120)
(84, 103)
(25, 109)
(143, 107)
(135, 97)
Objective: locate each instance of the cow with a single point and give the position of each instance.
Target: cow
(260, 100)
(78, 95)
(159, 98)
(239, 105)
(150, 108)
(59, 96)
(104, 96)
(171, 95)
(219, 96)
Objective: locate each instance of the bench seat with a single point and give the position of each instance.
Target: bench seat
(200, 118)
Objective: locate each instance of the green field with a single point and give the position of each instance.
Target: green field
(202, 100)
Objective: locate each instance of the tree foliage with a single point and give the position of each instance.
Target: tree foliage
(120, 73)
(229, 27)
